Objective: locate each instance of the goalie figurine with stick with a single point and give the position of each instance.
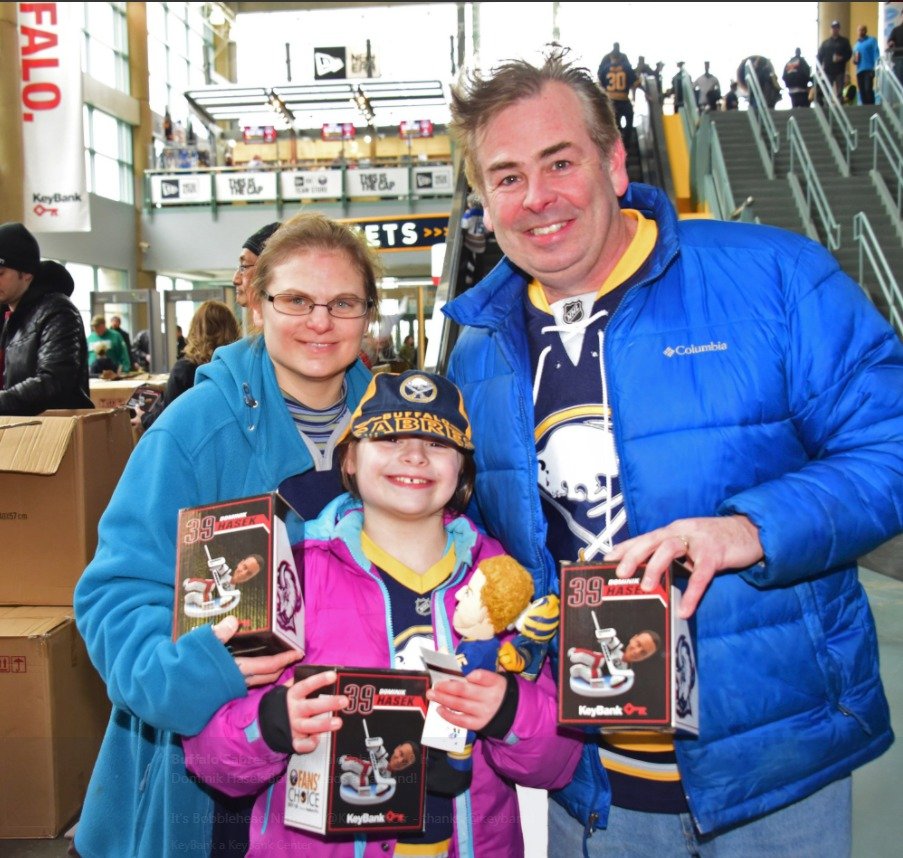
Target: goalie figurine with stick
(209, 597)
(607, 671)
(371, 780)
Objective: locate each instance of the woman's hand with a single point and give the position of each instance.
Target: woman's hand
(308, 715)
(471, 703)
(260, 669)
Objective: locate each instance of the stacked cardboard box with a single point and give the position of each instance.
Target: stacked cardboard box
(57, 473)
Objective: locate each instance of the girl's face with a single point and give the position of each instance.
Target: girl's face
(311, 353)
(404, 476)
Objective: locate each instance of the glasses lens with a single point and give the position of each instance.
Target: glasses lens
(293, 305)
(347, 307)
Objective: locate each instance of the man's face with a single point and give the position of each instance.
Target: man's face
(548, 194)
(100, 328)
(639, 648)
(862, 31)
(402, 757)
(13, 285)
(241, 280)
(245, 570)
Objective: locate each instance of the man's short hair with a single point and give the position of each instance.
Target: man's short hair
(99, 319)
(477, 100)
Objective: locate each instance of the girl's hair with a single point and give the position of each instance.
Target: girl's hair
(213, 325)
(309, 231)
(459, 499)
(476, 100)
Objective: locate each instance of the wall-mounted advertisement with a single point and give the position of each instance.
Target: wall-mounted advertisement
(311, 184)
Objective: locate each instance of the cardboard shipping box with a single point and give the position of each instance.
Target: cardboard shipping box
(57, 473)
(116, 393)
(627, 660)
(54, 710)
(235, 559)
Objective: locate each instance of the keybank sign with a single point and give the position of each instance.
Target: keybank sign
(680, 351)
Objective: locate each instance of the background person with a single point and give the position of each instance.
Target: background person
(834, 53)
(213, 325)
(247, 260)
(116, 325)
(264, 414)
(610, 340)
(43, 351)
(797, 77)
(866, 54)
(101, 335)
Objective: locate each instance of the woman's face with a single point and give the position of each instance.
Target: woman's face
(311, 353)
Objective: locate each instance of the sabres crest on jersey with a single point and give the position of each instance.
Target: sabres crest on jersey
(577, 473)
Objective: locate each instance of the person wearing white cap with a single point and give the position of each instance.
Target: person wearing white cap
(43, 352)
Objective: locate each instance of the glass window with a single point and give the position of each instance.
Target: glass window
(108, 154)
(106, 55)
(179, 42)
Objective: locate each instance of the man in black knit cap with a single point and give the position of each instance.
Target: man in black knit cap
(247, 259)
(43, 348)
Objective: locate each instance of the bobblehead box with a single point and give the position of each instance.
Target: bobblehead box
(626, 660)
(234, 558)
(370, 775)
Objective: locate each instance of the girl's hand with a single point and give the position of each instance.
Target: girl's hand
(309, 715)
(259, 669)
(471, 703)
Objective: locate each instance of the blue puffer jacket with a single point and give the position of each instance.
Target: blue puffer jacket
(230, 436)
(747, 374)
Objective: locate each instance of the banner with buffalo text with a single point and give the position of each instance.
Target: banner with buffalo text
(50, 95)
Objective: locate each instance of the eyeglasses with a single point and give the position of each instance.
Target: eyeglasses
(343, 307)
(243, 266)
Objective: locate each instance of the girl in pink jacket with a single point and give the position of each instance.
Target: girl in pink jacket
(382, 566)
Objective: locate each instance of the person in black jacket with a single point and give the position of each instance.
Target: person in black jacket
(213, 325)
(834, 53)
(43, 348)
(797, 78)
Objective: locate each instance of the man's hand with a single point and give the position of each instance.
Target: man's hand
(260, 669)
(708, 546)
(471, 703)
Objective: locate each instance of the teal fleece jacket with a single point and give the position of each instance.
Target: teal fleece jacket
(230, 436)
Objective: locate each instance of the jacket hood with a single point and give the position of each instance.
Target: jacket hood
(489, 302)
(244, 374)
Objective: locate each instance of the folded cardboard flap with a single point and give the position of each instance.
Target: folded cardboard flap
(32, 622)
(36, 445)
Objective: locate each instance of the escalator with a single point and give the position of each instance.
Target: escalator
(469, 256)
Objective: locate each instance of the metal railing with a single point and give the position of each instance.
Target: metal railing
(870, 251)
(883, 141)
(762, 121)
(813, 189)
(827, 102)
(890, 92)
(721, 184)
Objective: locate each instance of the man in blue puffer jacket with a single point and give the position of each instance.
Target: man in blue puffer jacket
(643, 389)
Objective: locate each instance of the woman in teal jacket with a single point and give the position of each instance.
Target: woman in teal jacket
(747, 375)
(264, 414)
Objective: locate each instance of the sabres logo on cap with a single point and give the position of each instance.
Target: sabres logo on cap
(419, 389)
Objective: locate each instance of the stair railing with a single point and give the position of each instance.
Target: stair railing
(883, 141)
(890, 91)
(815, 194)
(767, 136)
(836, 116)
(690, 110)
(870, 251)
(721, 185)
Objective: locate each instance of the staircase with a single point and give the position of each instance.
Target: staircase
(773, 201)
